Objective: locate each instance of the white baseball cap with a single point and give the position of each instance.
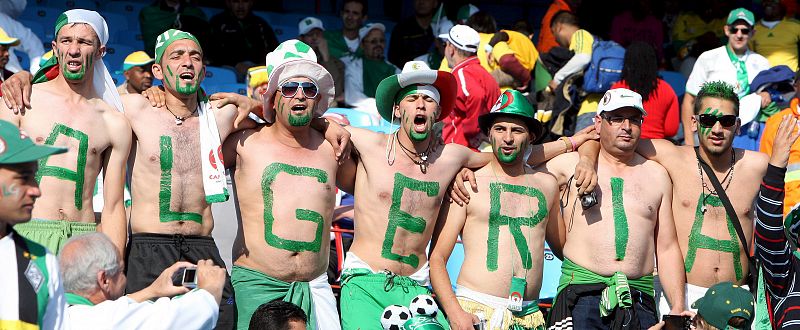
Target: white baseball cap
(619, 98)
(463, 37)
(309, 23)
(362, 32)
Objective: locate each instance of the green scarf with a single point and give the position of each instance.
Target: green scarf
(269, 289)
(767, 112)
(617, 294)
(73, 299)
(741, 71)
(337, 47)
(373, 72)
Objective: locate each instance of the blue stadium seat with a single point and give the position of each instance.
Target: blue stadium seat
(331, 22)
(211, 11)
(267, 16)
(285, 25)
(129, 8)
(118, 77)
(37, 29)
(24, 61)
(356, 118)
(73, 4)
(127, 37)
(454, 263)
(46, 16)
(115, 55)
(225, 88)
(675, 80)
(117, 22)
(218, 76)
(550, 274)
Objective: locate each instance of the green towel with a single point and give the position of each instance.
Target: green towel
(617, 292)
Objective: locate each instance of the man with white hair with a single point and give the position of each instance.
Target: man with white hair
(363, 72)
(77, 105)
(93, 275)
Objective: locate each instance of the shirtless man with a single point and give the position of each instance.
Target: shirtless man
(400, 180)
(511, 209)
(73, 109)
(285, 181)
(711, 248)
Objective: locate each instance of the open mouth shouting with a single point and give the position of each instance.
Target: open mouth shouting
(420, 123)
(187, 77)
(74, 65)
(299, 109)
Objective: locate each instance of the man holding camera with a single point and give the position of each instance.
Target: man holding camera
(92, 271)
(606, 277)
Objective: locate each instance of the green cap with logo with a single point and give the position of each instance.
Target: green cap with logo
(741, 14)
(16, 147)
(422, 322)
(513, 104)
(724, 301)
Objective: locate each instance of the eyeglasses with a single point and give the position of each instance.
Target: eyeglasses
(708, 120)
(618, 120)
(733, 30)
(289, 89)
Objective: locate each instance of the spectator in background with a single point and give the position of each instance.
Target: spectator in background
(413, 36)
(138, 71)
(485, 25)
(547, 39)
(724, 306)
(311, 32)
(30, 44)
(792, 181)
(777, 37)
(435, 55)
(511, 57)
(568, 34)
(6, 42)
(240, 38)
(279, 315)
(346, 41)
(640, 74)
(95, 282)
(638, 24)
(477, 91)
(363, 73)
(13, 8)
(465, 12)
(163, 15)
(33, 295)
(256, 80)
(696, 31)
(732, 63)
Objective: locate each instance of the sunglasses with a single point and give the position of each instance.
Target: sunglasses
(707, 120)
(289, 89)
(733, 30)
(618, 120)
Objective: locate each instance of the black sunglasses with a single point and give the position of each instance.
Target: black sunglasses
(289, 89)
(733, 30)
(707, 120)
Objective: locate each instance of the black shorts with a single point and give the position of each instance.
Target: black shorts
(149, 254)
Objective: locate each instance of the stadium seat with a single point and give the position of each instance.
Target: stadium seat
(454, 262)
(118, 77)
(219, 76)
(356, 118)
(550, 274)
(129, 8)
(127, 37)
(225, 88)
(211, 11)
(675, 80)
(73, 4)
(46, 16)
(118, 22)
(24, 61)
(37, 29)
(115, 55)
(267, 16)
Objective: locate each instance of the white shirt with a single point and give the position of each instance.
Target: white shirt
(352, 44)
(715, 65)
(9, 297)
(29, 44)
(194, 310)
(354, 87)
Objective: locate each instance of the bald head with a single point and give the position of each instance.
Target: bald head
(83, 257)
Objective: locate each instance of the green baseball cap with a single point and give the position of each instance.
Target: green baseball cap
(16, 147)
(422, 322)
(724, 301)
(741, 14)
(512, 104)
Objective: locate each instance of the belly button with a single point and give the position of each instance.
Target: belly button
(39, 139)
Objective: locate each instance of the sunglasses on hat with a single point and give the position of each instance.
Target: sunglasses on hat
(708, 120)
(289, 89)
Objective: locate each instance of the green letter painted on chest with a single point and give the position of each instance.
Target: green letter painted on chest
(165, 191)
(620, 218)
(699, 241)
(401, 219)
(78, 174)
(272, 171)
(497, 220)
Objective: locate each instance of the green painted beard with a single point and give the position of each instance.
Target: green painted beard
(174, 83)
(87, 61)
(503, 158)
(299, 120)
(416, 136)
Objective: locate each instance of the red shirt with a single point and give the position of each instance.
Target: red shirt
(477, 93)
(662, 111)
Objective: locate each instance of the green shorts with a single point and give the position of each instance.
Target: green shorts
(365, 294)
(53, 233)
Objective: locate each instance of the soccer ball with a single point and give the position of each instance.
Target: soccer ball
(423, 305)
(394, 317)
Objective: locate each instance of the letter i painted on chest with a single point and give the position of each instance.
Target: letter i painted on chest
(165, 189)
(620, 218)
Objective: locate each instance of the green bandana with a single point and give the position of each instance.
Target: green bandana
(167, 38)
(617, 294)
(741, 72)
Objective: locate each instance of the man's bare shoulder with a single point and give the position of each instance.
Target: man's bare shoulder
(754, 161)
(227, 107)
(567, 159)
(134, 103)
(541, 177)
(654, 171)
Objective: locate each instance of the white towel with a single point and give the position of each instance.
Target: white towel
(214, 183)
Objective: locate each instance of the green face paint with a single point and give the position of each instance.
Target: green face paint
(10, 190)
(175, 83)
(401, 219)
(61, 173)
(497, 220)
(708, 111)
(620, 218)
(301, 120)
(699, 241)
(165, 191)
(270, 173)
(69, 75)
(503, 158)
(414, 135)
